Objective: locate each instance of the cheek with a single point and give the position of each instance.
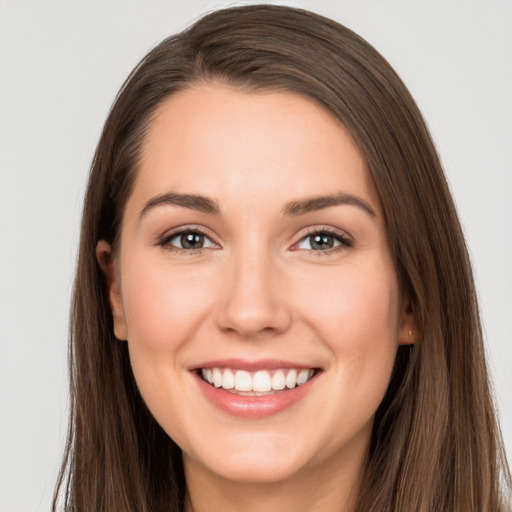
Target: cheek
(356, 314)
(163, 306)
(354, 300)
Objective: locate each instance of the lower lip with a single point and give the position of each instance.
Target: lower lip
(254, 406)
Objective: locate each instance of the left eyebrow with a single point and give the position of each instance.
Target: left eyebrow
(315, 203)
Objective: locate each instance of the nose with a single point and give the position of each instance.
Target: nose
(253, 297)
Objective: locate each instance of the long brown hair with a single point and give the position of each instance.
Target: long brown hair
(436, 444)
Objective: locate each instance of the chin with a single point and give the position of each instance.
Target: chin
(263, 459)
(256, 470)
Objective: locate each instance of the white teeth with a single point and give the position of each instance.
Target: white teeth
(261, 381)
(278, 380)
(291, 379)
(243, 381)
(228, 379)
(302, 377)
(207, 375)
(217, 377)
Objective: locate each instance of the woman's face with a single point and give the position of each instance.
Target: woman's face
(253, 254)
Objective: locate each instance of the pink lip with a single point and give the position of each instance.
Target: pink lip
(249, 366)
(252, 406)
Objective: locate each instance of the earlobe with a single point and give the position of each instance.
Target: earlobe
(107, 263)
(408, 333)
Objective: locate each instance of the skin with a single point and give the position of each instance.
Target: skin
(258, 290)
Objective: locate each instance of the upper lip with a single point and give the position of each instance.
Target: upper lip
(250, 365)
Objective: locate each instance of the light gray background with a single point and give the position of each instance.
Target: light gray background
(61, 64)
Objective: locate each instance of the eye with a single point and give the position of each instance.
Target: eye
(187, 240)
(323, 241)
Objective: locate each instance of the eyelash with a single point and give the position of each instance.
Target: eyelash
(344, 241)
(165, 240)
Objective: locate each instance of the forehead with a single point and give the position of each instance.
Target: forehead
(218, 140)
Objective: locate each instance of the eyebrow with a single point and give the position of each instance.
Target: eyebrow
(192, 201)
(294, 208)
(315, 203)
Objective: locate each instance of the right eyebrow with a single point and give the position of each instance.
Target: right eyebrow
(195, 202)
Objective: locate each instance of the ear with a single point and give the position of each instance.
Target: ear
(408, 332)
(108, 266)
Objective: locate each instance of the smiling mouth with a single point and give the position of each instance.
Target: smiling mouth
(259, 383)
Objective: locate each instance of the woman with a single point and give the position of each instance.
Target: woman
(274, 305)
